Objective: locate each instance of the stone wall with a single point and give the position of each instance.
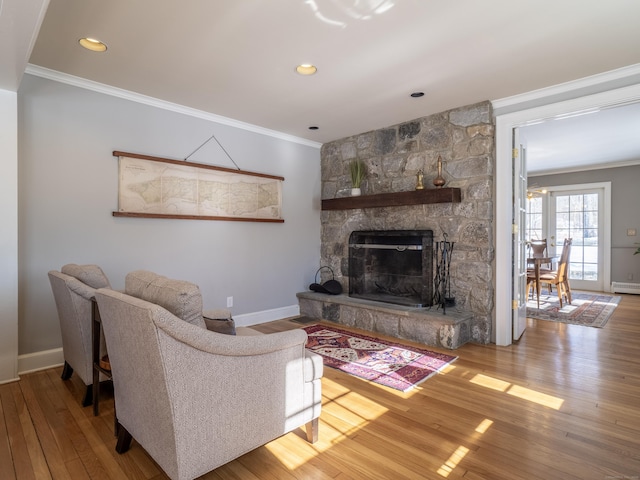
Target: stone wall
(464, 138)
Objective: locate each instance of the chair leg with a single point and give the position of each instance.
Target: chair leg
(116, 423)
(531, 284)
(88, 396)
(312, 430)
(567, 289)
(67, 371)
(124, 440)
(559, 289)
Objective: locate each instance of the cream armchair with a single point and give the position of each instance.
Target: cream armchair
(73, 287)
(195, 399)
(181, 298)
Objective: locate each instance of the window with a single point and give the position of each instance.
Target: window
(534, 219)
(577, 218)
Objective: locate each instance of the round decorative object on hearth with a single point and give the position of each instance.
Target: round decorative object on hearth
(332, 287)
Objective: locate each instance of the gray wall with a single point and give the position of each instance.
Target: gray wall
(625, 212)
(68, 186)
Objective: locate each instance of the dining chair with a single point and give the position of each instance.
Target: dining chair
(539, 248)
(559, 277)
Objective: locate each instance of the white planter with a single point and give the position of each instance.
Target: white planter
(356, 192)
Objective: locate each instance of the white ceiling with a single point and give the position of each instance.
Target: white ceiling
(609, 137)
(236, 58)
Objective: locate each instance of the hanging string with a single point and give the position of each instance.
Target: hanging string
(219, 144)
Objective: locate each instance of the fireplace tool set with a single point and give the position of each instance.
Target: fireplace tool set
(442, 281)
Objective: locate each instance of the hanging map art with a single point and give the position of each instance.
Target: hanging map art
(155, 187)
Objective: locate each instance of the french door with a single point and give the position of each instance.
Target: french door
(580, 215)
(519, 262)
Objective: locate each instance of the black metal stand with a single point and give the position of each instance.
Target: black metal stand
(442, 282)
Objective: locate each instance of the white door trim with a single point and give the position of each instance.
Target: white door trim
(502, 325)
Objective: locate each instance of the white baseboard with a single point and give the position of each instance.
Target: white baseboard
(265, 316)
(10, 380)
(32, 362)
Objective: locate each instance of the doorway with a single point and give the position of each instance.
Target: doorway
(581, 212)
(505, 124)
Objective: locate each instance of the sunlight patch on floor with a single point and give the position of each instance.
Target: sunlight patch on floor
(536, 397)
(344, 412)
(484, 425)
(490, 382)
(453, 461)
(291, 450)
(447, 369)
(518, 391)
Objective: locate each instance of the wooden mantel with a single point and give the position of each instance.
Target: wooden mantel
(413, 197)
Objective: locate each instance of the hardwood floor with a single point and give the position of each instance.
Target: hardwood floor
(563, 403)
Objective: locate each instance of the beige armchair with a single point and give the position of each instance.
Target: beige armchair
(195, 399)
(73, 287)
(181, 298)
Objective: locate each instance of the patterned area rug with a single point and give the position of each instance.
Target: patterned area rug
(587, 309)
(386, 363)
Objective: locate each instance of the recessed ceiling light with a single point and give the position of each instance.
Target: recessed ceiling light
(93, 44)
(306, 69)
(417, 94)
(313, 127)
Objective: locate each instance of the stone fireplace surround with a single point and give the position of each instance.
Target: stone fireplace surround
(464, 138)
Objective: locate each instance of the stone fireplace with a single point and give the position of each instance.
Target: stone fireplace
(392, 266)
(394, 156)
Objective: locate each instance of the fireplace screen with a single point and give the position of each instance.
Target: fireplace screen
(394, 266)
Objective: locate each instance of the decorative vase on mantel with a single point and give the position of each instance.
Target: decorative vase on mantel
(356, 192)
(439, 181)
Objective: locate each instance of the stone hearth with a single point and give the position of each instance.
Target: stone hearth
(423, 325)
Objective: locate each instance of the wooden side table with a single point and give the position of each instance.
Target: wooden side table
(96, 336)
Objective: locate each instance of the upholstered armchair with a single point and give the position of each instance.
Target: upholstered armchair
(181, 298)
(73, 287)
(196, 399)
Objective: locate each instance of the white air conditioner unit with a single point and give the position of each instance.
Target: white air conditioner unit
(624, 287)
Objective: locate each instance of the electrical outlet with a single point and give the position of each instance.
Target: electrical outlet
(229, 302)
(630, 276)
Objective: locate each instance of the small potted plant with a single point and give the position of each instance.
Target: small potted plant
(638, 250)
(358, 172)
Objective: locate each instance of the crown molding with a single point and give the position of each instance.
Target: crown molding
(155, 102)
(600, 166)
(562, 88)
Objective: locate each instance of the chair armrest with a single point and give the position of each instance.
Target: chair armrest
(313, 366)
(228, 345)
(85, 291)
(217, 314)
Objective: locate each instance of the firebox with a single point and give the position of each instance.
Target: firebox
(392, 266)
